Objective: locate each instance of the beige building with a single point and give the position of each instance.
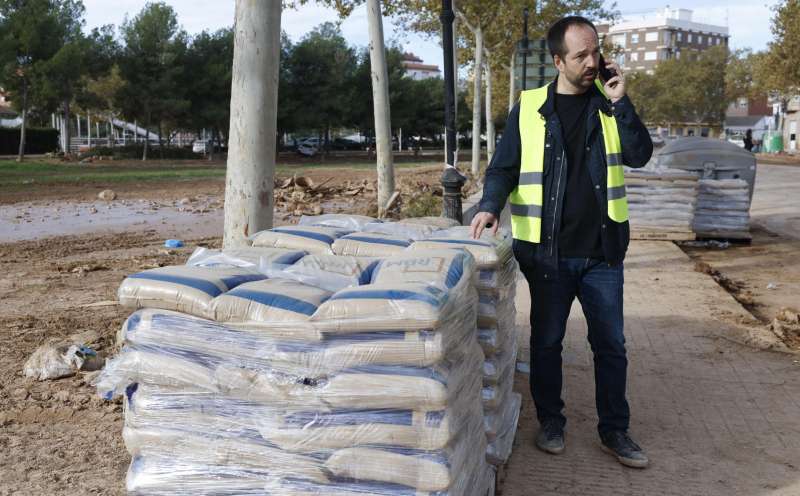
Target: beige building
(416, 69)
(646, 40)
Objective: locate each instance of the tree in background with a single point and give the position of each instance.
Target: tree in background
(31, 33)
(151, 66)
(778, 70)
(320, 71)
(207, 80)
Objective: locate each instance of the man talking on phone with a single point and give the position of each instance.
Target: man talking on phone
(559, 164)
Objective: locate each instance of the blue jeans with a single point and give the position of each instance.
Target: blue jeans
(598, 288)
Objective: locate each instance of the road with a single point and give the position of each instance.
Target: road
(776, 201)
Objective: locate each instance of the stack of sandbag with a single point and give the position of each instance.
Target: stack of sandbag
(661, 203)
(723, 209)
(496, 284)
(277, 385)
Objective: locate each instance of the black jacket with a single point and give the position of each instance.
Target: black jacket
(502, 177)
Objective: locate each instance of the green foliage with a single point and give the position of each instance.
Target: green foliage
(134, 151)
(421, 205)
(779, 69)
(36, 140)
(207, 79)
(683, 90)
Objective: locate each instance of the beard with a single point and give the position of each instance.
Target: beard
(583, 79)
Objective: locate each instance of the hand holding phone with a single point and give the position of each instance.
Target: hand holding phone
(605, 73)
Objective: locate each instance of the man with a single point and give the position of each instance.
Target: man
(560, 160)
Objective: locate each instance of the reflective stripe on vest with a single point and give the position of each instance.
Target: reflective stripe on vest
(526, 201)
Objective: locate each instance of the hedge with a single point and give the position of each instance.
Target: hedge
(134, 151)
(37, 140)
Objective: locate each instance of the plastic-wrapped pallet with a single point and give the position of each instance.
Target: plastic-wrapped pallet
(496, 284)
(661, 203)
(250, 257)
(347, 222)
(364, 244)
(371, 389)
(723, 209)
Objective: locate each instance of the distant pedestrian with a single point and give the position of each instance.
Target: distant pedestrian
(560, 160)
(748, 140)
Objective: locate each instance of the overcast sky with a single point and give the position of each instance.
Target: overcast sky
(748, 20)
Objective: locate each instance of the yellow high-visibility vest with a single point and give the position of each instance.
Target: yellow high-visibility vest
(527, 198)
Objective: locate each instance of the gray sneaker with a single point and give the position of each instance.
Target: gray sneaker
(620, 445)
(550, 437)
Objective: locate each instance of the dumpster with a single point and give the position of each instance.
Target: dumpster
(772, 142)
(710, 159)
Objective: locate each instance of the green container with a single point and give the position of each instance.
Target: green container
(773, 142)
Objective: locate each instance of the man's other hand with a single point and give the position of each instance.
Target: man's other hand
(481, 221)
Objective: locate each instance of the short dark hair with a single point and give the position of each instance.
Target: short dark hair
(555, 35)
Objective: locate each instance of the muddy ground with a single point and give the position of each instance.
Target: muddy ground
(57, 437)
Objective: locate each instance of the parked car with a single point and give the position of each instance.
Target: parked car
(204, 146)
(345, 144)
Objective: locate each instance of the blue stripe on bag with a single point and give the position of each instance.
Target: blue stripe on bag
(207, 287)
(366, 276)
(455, 271)
(289, 258)
(306, 234)
(275, 300)
(349, 417)
(233, 281)
(387, 294)
(378, 241)
(459, 241)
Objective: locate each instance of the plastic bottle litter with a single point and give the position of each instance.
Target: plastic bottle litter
(173, 243)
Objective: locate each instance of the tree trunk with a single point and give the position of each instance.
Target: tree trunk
(66, 128)
(489, 120)
(380, 98)
(89, 129)
(254, 118)
(512, 82)
(21, 155)
(455, 88)
(476, 102)
(211, 148)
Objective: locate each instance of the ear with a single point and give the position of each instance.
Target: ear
(558, 62)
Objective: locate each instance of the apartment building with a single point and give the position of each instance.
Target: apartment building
(416, 69)
(646, 40)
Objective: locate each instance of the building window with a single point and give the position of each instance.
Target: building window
(677, 54)
(634, 38)
(619, 40)
(743, 103)
(680, 36)
(689, 37)
(651, 55)
(651, 36)
(700, 40)
(634, 56)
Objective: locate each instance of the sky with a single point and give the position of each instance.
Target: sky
(748, 20)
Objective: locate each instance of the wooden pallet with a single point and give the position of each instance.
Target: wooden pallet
(642, 234)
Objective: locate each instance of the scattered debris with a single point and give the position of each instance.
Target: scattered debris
(57, 359)
(772, 285)
(173, 243)
(107, 195)
(786, 325)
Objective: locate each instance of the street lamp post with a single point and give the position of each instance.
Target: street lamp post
(524, 48)
(452, 180)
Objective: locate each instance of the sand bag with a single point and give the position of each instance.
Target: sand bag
(268, 301)
(498, 278)
(252, 257)
(312, 239)
(183, 288)
(403, 230)
(438, 222)
(347, 222)
(330, 272)
(384, 306)
(447, 268)
(365, 244)
(499, 449)
(490, 251)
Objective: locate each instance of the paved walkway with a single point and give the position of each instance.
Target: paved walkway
(716, 417)
(775, 201)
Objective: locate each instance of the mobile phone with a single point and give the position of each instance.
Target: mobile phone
(605, 73)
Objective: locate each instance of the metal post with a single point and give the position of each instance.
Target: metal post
(452, 180)
(525, 49)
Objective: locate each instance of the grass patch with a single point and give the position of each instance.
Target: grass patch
(422, 205)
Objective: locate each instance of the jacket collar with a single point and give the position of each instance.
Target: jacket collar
(598, 100)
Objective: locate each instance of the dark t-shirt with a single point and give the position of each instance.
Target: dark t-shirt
(581, 216)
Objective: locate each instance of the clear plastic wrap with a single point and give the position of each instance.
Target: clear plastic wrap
(403, 230)
(183, 288)
(312, 239)
(299, 346)
(494, 340)
(347, 222)
(490, 251)
(438, 222)
(501, 277)
(394, 306)
(300, 431)
(329, 272)
(497, 307)
(499, 449)
(496, 395)
(495, 368)
(448, 268)
(367, 387)
(268, 301)
(250, 257)
(365, 244)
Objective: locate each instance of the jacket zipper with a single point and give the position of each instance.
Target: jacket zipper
(558, 188)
